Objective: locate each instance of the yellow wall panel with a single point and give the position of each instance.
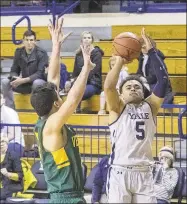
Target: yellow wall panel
(174, 65)
(154, 31)
(169, 48)
(42, 33)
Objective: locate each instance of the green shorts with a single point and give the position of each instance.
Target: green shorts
(67, 197)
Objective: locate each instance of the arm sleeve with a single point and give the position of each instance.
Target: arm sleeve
(97, 186)
(161, 74)
(97, 60)
(43, 62)
(15, 69)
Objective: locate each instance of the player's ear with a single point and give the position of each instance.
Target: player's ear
(56, 104)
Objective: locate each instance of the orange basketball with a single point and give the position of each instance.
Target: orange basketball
(127, 45)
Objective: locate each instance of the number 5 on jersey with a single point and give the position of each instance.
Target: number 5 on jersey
(140, 130)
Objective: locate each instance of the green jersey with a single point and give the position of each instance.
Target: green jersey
(62, 168)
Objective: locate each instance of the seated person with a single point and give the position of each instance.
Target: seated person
(94, 82)
(99, 183)
(165, 176)
(146, 69)
(11, 175)
(27, 70)
(14, 134)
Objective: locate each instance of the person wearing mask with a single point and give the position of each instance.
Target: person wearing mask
(94, 82)
(165, 176)
(27, 70)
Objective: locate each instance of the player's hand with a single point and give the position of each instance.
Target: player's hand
(86, 51)
(146, 40)
(57, 35)
(5, 172)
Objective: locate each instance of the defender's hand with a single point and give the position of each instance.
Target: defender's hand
(57, 35)
(146, 40)
(86, 51)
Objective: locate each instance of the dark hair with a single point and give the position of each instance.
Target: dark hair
(43, 97)
(130, 78)
(29, 33)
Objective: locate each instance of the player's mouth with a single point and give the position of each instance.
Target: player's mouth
(133, 94)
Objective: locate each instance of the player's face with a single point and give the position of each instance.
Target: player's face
(87, 39)
(132, 91)
(29, 42)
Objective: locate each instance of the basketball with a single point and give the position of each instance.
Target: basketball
(127, 45)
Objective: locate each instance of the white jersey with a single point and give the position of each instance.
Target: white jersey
(132, 135)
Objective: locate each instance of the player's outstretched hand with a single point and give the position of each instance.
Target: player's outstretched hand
(57, 35)
(86, 51)
(146, 40)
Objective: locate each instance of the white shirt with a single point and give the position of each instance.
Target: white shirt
(122, 76)
(145, 58)
(132, 135)
(10, 116)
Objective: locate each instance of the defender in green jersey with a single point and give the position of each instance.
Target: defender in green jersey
(58, 144)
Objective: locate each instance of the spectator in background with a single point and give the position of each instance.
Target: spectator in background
(14, 134)
(11, 175)
(165, 176)
(146, 69)
(99, 183)
(27, 70)
(94, 83)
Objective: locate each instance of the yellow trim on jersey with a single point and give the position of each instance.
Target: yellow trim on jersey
(60, 156)
(63, 165)
(36, 134)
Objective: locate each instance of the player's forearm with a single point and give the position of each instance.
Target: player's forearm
(76, 92)
(112, 78)
(54, 65)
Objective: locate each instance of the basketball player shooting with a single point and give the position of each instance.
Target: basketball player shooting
(57, 142)
(132, 127)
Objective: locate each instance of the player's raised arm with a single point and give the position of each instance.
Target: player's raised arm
(57, 37)
(112, 96)
(75, 94)
(157, 97)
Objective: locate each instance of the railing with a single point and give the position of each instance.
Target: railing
(53, 10)
(17, 42)
(160, 6)
(94, 141)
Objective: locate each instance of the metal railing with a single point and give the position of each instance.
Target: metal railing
(94, 141)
